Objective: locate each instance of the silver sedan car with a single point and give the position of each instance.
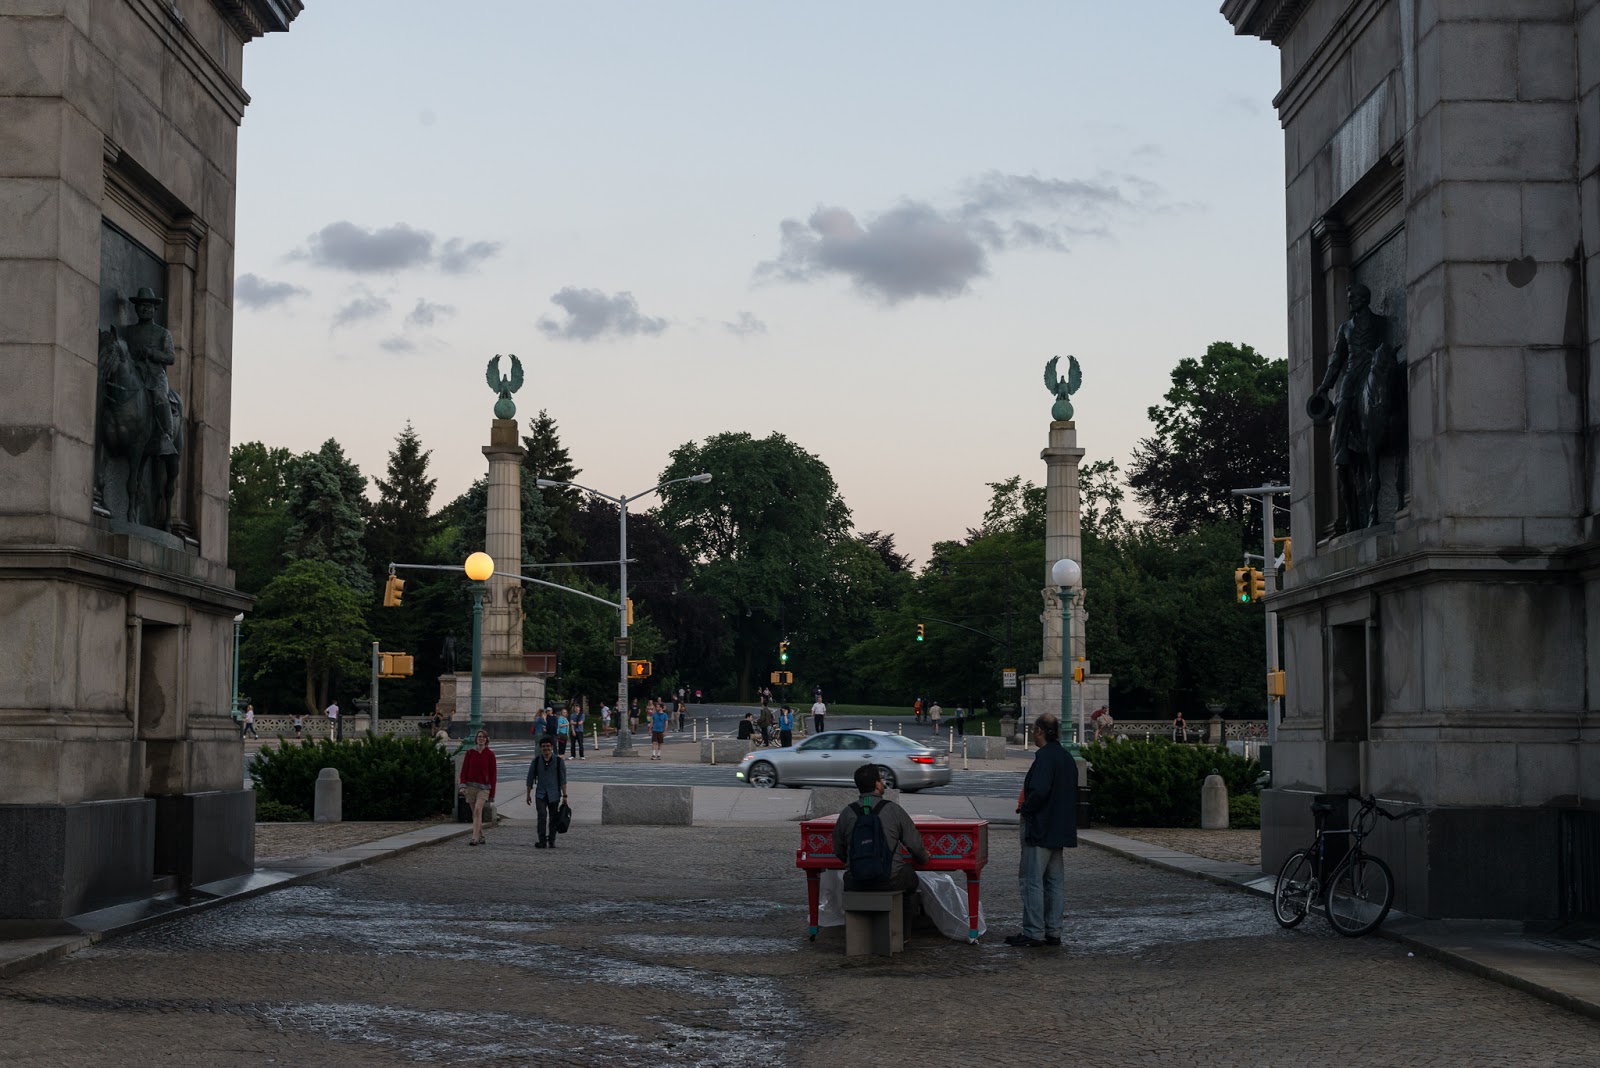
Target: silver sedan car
(832, 757)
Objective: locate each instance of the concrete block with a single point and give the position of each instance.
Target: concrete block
(1484, 389)
(1214, 804)
(329, 797)
(1484, 474)
(1553, 393)
(1480, 220)
(874, 923)
(992, 747)
(648, 806)
(1545, 61)
(80, 857)
(1494, 141)
(830, 801)
(1550, 220)
(727, 750)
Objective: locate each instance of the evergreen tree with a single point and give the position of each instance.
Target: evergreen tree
(547, 458)
(401, 522)
(307, 624)
(326, 496)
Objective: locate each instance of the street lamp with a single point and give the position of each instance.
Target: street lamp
(624, 738)
(237, 620)
(478, 566)
(1067, 575)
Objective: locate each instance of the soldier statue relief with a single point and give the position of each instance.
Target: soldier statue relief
(140, 416)
(1369, 412)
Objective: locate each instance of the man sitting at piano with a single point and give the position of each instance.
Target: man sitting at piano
(900, 834)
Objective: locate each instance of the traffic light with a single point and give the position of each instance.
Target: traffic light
(630, 611)
(1258, 585)
(1241, 584)
(782, 678)
(395, 665)
(783, 652)
(920, 629)
(1277, 683)
(638, 669)
(1077, 673)
(392, 591)
(1288, 551)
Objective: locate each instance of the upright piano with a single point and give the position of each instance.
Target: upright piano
(952, 845)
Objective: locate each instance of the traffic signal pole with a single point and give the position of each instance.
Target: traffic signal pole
(1269, 571)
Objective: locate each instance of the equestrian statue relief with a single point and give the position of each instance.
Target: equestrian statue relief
(140, 418)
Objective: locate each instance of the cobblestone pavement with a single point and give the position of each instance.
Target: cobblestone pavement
(281, 841)
(673, 947)
(1237, 845)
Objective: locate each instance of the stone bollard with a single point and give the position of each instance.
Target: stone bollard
(329, 797)
(1214, 804)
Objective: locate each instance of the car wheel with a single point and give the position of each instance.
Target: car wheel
(889, 780)
(762, 775)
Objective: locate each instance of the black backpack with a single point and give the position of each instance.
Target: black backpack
(871, 859)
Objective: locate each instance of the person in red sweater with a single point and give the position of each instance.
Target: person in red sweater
(478, 779)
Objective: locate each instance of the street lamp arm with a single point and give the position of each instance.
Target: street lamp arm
(702, 477)
(557, 586)
(545, 483)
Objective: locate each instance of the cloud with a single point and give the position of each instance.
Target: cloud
(397, 344)
(916, 249)
(459, 257)
(591, 315)
(745, 325)
(344, 246)
(363, 307)
(253, 291)
(426, 313)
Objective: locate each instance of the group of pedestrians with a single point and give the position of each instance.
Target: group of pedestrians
(564, 728)
(934, 715)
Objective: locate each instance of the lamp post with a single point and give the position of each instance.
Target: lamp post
(1066, 574)
(624, 737)
(479, 566)
(237, 620)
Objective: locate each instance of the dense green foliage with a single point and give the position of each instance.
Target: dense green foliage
(1244, 811)
(1157, 783)
(384, 777)
(721, 573)
(278, 812)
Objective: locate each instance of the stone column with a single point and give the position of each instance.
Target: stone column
(1061, 539)
(502, 609)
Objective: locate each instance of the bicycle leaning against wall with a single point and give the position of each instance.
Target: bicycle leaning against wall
(1359, 890)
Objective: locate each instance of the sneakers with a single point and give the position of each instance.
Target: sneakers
(1052, 940)
(538, 845)
(551, 844)
(1022, 941)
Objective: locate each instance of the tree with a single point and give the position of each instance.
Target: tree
(308, 620)
(761, 535)
(882, 543)
(1225, 426)
(401, 522)
(545, 457)
(258, 513)
(326, 497)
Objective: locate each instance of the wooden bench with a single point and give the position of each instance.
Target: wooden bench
(874, 923)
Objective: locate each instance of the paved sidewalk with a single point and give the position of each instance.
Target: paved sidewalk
(1561, 971)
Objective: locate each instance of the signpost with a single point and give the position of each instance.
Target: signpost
(1008, 678)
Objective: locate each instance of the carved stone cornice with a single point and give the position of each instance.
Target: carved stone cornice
(253, 18)
(1269, 20)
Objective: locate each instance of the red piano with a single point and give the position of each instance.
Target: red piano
(952, 845)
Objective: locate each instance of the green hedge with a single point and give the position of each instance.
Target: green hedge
(1244, 811)
(1156, 783)
(277, 812)
(384, 777)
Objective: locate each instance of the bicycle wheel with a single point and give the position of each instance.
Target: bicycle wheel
(1291, 897)
(1359, 895)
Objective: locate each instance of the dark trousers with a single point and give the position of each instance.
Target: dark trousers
(577, 744)
(547, 811)
(785, 738)
(816, 722)
(561, 745)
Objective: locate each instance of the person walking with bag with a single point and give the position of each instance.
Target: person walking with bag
(547, 789)
(479, 777)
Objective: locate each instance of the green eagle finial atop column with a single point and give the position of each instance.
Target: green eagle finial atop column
(1063, 388)
(505, 408)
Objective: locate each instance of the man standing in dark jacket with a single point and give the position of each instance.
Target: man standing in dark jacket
(1049, 809)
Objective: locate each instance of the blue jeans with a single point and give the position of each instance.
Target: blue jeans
(1041, 875)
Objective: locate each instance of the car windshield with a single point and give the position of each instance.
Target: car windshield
(901, 741)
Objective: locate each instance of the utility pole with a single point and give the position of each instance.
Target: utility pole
(1269, 571)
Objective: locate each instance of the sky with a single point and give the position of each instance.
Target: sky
(864, 226)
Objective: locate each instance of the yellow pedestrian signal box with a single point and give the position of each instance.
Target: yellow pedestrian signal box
(630, 611)
(1258, 585)
(782, 678)
(395, 665)
(1077, 672)
(1288, 551)
(1277, 683)
(392, 591)
(638, 669)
